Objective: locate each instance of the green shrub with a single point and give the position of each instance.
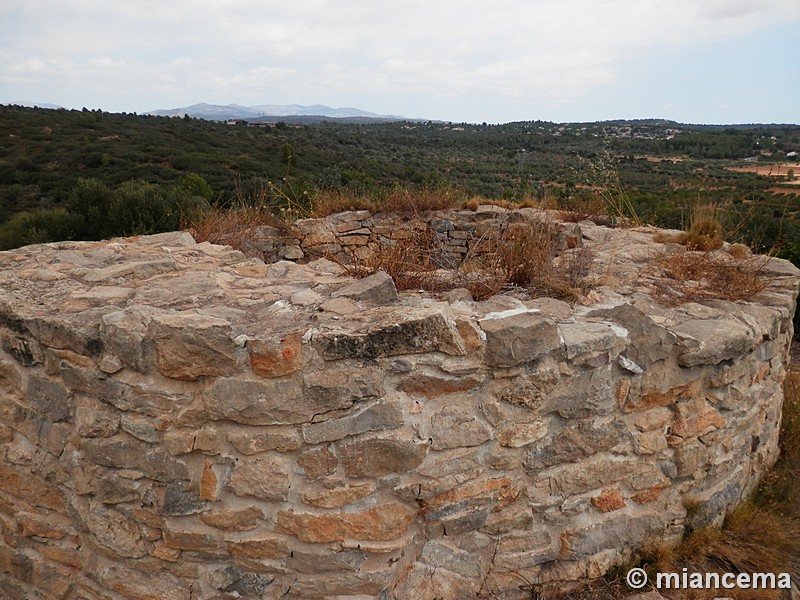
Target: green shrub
(38, 227)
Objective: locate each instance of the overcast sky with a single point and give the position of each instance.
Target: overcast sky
(697, 61)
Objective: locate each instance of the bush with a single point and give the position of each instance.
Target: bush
(142, 208)
(39, 227)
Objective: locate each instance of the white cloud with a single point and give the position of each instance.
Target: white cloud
(255, 51)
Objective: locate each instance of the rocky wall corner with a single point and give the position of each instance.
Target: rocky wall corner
(181, 422)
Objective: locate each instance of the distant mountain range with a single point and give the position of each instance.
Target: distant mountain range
(269, 112)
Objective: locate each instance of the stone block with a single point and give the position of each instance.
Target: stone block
(340, 387)
(582, 338)
(467, 507)
(391, 332)
(575, 442)
(387, 521)
(113, 530)
(244, 519)
(609, 500)
(120, 452)
(376, 457)
(378, 417)
(260, 546)
(37, 428)
(253, 440)
(194, 541)
(518, 336)
(172, 502)
(262, 477)
(336, 496)
(317, 462)
(458, 425)
(650, 399)
(429, 386)
(648, 341)
(696, 417)
(30, 488)
(624, 531)
(710, 341)
(326, 561)
(263, 402)
(96, 422)
(276, 357)
(123, 334)
(190, 345)
(377, 289)
(49, 398)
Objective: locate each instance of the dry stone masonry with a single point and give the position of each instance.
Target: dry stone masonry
(178, 421)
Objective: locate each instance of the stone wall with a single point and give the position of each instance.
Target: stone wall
(356, 236)
(181, 422)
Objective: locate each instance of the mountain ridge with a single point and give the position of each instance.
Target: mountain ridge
(219, 112)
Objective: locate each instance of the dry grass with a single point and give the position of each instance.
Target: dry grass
(409, 262)
(692, 276)
(405, 199)
(325, 203)
(236, 226)
(236, 222)
(706, 230)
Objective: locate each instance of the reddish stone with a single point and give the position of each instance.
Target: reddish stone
(385, 522)
(695, 418)
(209, 483)
(668, 398)
(317, 463)
(264, 546)
(276, 358)
(609, 500)
(28, 487)
(338, 496)
(476, 489)
(233, 520)
(649, 495)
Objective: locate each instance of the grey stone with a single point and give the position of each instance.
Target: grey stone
(49, 398)
(394, 331)
(121, 452)
(580, 338)
(189, 345)
(518, 336)
(265, 401)
(649, 342)
(374, 418)
(376, 457)
(574, 443)
(175, 502)
(378, 288)
(711, 341)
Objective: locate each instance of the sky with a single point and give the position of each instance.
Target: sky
(496, 61)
